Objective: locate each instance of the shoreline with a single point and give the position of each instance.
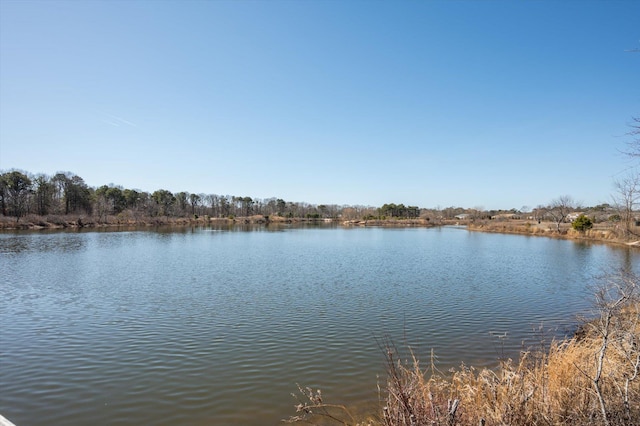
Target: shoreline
(36, 223)
(601, 233)
(54, 222)
(536, 378)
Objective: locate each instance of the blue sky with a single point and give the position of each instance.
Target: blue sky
(494, 104)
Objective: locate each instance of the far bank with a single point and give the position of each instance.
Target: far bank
(607, 232)
(604, 232)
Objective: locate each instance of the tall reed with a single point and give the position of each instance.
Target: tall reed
(589, 379)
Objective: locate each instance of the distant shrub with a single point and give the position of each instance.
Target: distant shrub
(582, 223)
(615, 218)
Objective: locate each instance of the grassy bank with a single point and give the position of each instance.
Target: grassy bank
(391, 223)
(607, 232)
(602, 232)
(36, 222)
(590, 379)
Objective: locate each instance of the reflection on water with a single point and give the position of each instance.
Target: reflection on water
(217, 325)
(46, 243)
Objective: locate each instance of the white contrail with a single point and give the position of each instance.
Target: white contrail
(111, 123)
(114, 120)
(122, 120)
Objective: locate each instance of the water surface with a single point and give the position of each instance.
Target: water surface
(216, 326)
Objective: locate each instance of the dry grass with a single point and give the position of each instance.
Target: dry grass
(591, 379)
(601, 232)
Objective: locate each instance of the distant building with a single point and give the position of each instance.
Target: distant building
(573, 216)
(504, 216)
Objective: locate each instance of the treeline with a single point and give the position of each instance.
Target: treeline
(399, 210)
(65, 193)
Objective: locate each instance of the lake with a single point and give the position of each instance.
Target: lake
(199, 326)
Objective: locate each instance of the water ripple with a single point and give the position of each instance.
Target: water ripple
(217, 328)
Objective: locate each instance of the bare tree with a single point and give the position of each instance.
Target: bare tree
(560, 208)
(616, 327)
(539, 213)
(633, 149)
(627, 195)
(626, 199)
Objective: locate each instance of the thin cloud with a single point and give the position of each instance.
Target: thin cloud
(111, 123)
(118, 121)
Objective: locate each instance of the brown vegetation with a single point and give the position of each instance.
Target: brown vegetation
(608, 232)
(590, 379)
(417, 222)
(124, 219)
